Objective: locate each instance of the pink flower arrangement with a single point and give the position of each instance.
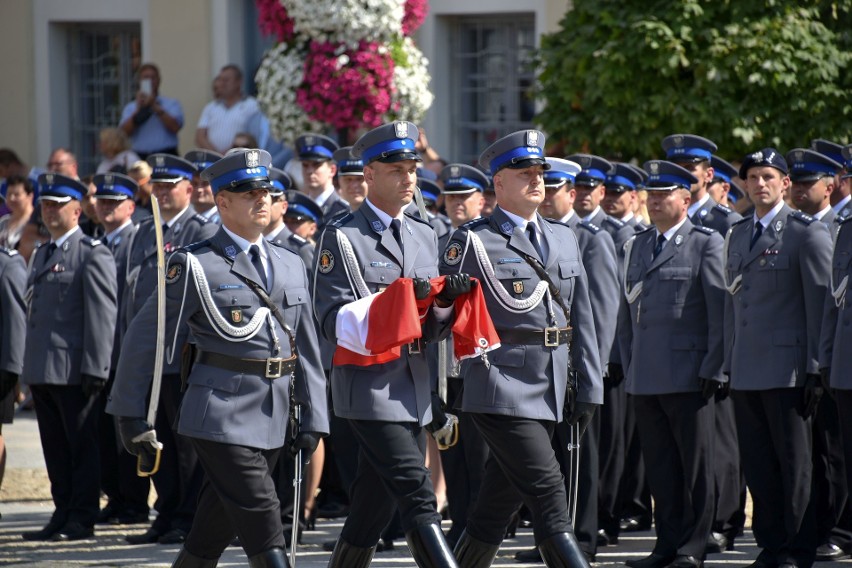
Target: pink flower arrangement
(415, 13)
(272, 19)
(346, 88)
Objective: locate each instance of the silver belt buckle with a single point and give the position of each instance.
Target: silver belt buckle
(414, 347)
(273, 367)
(548, 342)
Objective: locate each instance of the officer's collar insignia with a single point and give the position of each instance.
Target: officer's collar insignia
(326, 261)
(252, 159)
(845, 212)
(703, 213)
(532, 138)
(678, 239)
(176, 229)
(518, 287)
(236, 315)
(453, 254)
(160, 161)
(408, 228)
(116, 240)
(507, 228)
(173, 275)
(231, 251)
(377, 226)
(654, 167)
(778, 225)
(401, 129)
(454, 171)
(65, 246)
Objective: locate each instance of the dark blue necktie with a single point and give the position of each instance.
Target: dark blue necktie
(254, 253)
(758, 230)
(534, 240)
(395, 227)
(661, 242)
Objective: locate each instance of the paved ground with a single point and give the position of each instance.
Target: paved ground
(31, 509)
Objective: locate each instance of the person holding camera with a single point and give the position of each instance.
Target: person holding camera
(152, 121)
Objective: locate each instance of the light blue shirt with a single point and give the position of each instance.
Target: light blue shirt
(152, 135)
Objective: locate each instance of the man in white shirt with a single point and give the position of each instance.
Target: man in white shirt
(228, 114)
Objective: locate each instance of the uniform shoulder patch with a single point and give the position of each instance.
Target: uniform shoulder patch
(174, 272)
(453, 253)
(92, 242)
(702, 229)
(802, 217)
(591, 227)
(724, 210)
(325, 261)
(614, 222)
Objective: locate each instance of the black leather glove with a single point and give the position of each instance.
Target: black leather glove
(824, 375)
(307, 442)
(137, 436)
(422, 287)
(92, 386)
(454, 286)
(614, 374)
(812, 394)
(724, 390)
(7, 383)
(444, 426)
(708, 388)
(581, 414)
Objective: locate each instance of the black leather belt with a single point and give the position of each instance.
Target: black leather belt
(271, 368)
(549, 336)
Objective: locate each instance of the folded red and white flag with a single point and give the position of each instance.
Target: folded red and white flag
(373, 330)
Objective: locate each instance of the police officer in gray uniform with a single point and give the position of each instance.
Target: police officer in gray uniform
(620, 194)
(202, 195)
(813, 176)
(777, 272)
(248, 307)
(179, 477)
(675, 294)
(316, 152)
(387, 404)
(277, 231)
(518, 394)
(70, 329)
(127, 493)
(694, 153)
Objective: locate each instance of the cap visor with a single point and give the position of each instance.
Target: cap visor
(55, 198)
(400, 157)
(167, 179)
(112, 197)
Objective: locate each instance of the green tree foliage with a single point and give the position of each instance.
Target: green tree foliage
(618, 76)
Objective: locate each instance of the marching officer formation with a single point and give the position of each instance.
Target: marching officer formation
(573, 354)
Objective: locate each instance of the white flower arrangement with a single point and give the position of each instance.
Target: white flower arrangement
(277, 79)
(412, 97)
(347, 21)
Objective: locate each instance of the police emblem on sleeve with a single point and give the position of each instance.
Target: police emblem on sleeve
(453, 254)
(173, 274)
(326, 261)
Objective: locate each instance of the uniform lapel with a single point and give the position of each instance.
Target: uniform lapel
(517, 239)
(241, 266)
(770, 236)
(554, 243)
(672, 246)
(384, 234)
(411, 245)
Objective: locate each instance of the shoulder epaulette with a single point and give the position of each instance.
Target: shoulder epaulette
(9, 252)
(644, 230)
(200, 218)
(340, 220)
(589, 226)
(726, 210)
(418, 219)
(613, 221)
(802, 217)
(299, 240)
(146, 221)
(702, 229)
(91, 242)
(192, 247)
(475, 223)
(743, 220)
(840, 220)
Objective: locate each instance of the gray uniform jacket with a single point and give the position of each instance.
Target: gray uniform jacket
(777, 303)
(599, 260)
(223, 405)
(120, 248)
(836, 336)
(72, 313)
(294, 243)
(618, 230)
(13, 319)
(671, 333)
(332, 207)
(399, 390)
(717, 217)
(188, 228)
(528, 381)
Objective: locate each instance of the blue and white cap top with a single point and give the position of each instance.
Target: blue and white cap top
(315, 148)
(347, 164)
(115, 186)
(828, 148)
(202, 159)
(430, 190)
(393, 142)
(281, 182)
(461, 178)
(688, 148)
(623, 178)
(667, 176)
(60, 188)
(810, 165)
(516, 151)
(302, 207)
(240, 170)
(595, 169)
(561, 172)
(166, 168)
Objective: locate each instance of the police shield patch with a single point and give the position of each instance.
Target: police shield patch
(173, 275)
(326, 261)
(453, 254)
